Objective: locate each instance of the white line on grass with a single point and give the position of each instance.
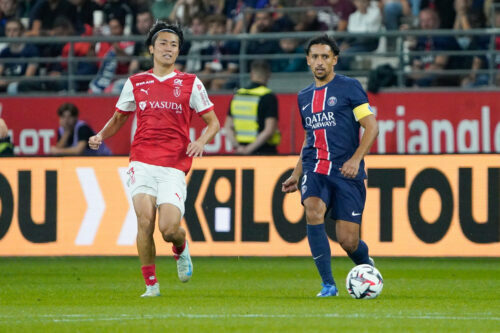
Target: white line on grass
(95, 318)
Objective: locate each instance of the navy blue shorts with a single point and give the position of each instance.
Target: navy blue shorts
(344, 197)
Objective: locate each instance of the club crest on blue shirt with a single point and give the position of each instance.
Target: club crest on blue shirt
(332, 101)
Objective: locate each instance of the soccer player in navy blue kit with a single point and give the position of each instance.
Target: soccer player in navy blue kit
(331, 163)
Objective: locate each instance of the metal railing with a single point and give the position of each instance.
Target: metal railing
(363, 63)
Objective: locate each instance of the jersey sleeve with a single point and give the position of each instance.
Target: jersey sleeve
(126, 102)
(300, 108)
(359, 102)
(199, 100)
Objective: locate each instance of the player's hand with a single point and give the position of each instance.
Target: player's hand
(95, 141)
(350, 168)
(290, 185)
(195, 149)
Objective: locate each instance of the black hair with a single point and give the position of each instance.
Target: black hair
(325, 40)
(115, 16)
(159, 26)
(73, 110)
(143, 10)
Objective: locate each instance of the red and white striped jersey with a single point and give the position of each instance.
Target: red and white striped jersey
(164, 106)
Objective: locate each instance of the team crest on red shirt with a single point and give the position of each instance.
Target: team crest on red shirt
(177, 91)
(142, 105)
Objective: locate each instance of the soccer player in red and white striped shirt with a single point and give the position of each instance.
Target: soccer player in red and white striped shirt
(164, 100)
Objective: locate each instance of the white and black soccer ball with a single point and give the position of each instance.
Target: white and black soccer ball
(364, 282)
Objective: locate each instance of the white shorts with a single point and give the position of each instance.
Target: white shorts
(168, 185)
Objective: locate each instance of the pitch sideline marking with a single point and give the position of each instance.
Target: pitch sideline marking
(93, 318)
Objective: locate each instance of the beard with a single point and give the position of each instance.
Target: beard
(322, 76)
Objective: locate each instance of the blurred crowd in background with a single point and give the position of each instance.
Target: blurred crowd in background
(105, 64)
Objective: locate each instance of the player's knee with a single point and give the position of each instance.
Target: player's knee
(314, 214)
(314, 217)
(169, 237)
(348, 243)
(169, 233)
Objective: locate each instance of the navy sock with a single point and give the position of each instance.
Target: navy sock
(320, 250)
(360, 256)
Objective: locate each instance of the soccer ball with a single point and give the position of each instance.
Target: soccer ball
(364, 281)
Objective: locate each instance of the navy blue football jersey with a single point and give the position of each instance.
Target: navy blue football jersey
(330, 116)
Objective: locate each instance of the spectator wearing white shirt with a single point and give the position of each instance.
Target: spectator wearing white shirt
(366, 18)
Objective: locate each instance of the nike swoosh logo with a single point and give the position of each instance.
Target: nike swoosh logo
(355, 214)
(314, 258)
(304, 107)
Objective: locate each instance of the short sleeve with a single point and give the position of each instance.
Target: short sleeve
(357, 95)
(359, 102)
(300, 107)
(126, 102)
(199, 100)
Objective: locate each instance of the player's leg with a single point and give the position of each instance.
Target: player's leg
(350, 196)
(169, 223)
(143, 191)
(145, 209)
(348, 237)
(171, 197)
(315, 208)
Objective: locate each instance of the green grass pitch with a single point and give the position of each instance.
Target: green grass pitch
(95, 294)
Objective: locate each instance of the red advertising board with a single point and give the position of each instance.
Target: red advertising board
(445, 122)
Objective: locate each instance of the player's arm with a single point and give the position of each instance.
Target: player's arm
(195, 148)
(292, 183)
(369, 123)
(112, 126)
